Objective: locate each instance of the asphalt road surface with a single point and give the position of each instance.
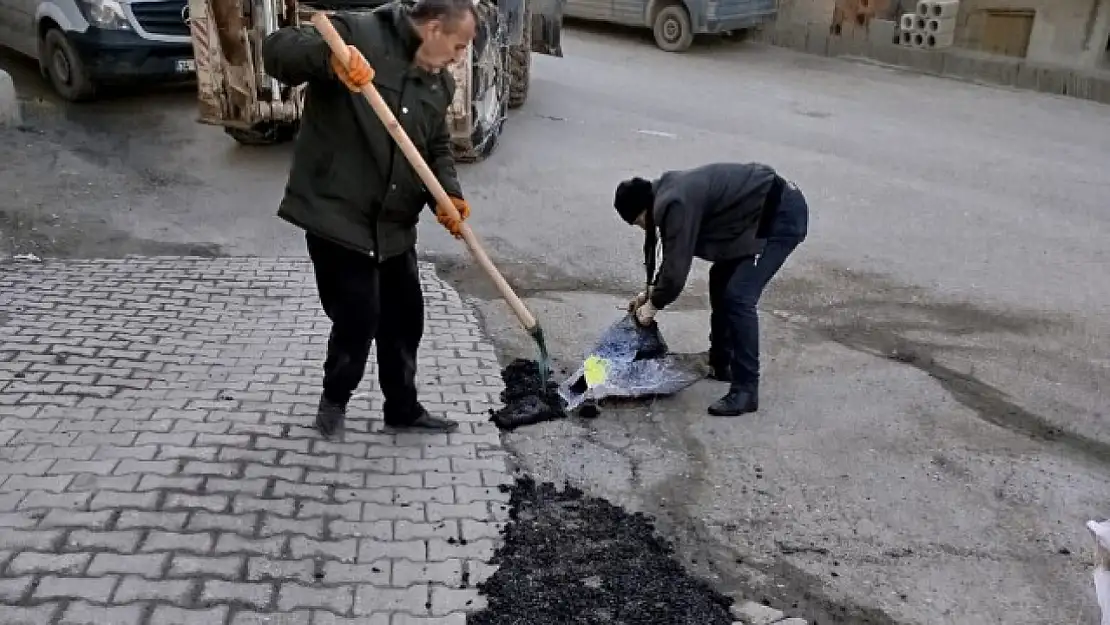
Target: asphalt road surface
(933, 432)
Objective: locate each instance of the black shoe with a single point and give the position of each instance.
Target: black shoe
(329, 416)
(736, 403)
(423, 422)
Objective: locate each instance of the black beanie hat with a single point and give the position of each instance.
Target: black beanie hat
(633, 197)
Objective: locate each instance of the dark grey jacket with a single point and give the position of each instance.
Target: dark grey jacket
(350, 182)
(711, 212)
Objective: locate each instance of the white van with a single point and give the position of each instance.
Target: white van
(81, 44)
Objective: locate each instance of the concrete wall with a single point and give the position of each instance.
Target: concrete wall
(851, 16)
(1067, 52)
(1065, 32)
(1071, 33)
(1097, 53)
(805, 12)
(875, 43)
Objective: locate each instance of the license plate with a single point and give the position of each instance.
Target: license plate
(186, 66)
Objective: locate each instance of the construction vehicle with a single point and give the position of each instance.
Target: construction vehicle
(256, 109)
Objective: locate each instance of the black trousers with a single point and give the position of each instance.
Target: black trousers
(367, 300)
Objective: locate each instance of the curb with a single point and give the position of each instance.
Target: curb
(9, 104)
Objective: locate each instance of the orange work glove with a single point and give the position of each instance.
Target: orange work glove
(360, 73)
(454, 226)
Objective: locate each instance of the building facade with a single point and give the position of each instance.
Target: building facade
(1055, 46)
(1072, 33)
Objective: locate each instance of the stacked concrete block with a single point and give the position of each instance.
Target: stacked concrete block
(932, 26)
(9, 104)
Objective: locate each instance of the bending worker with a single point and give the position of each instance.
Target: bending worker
(745, 219)
(356, 196)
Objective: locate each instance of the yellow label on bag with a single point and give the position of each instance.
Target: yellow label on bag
(595, 370)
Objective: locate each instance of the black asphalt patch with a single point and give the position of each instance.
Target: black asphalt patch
(527, 400)
(571, 559)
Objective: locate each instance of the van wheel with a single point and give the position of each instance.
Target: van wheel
(672, 29)
(64, 68)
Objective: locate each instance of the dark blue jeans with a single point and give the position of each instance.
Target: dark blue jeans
(735, 287)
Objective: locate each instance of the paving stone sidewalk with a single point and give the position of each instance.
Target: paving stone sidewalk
(156, 465)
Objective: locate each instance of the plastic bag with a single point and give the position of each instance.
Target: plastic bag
(628, 361)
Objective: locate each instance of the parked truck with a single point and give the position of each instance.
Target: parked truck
(675, 22)
(256, 109)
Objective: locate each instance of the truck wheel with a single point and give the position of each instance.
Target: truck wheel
(672, 29)
(520, 66)
(486, 131)
(64, 68)
(488, 83)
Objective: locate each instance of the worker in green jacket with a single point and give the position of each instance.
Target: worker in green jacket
(357, 197)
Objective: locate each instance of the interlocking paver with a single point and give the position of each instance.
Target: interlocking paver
(327, 618)
(39, 615)
(33, 562)
(158, 466)
(200, 542)
(228, 567)
(336, 599)
(12, 588)
(123, 541)
(141, 519)
(139, 589)
(255, 594)
(146, 564)
(96, 589)
(83, 614)
(260, 568)
(406, 573)
(170, 615)
(298, 617)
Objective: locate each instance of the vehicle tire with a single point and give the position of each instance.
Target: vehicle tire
(483, 140)
(672, 29)
(271, 133)
(64, 69)
(489, 87)
(520, 66)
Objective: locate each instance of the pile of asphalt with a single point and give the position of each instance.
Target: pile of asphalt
(526, 398)
(570, 559)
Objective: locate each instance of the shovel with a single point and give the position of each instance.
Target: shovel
(339, 48)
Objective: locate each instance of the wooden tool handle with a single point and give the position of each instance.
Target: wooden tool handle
(339, 49)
